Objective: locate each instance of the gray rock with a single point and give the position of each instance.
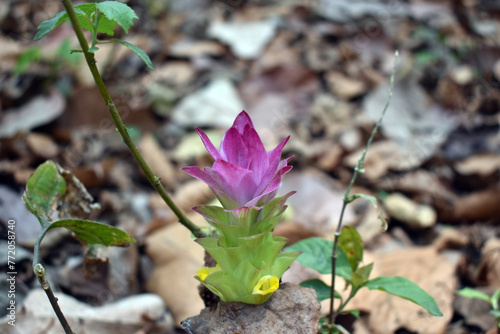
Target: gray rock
(292, 309)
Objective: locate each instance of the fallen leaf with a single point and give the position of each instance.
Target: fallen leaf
(124, 316)
(316, 205)
(430, 270)
(450, 238)
(346, 11)
(481, 164)
(247, 40)
(206, 107)
(343, 86)
(12, 207)
(481, 205)
(418, 128)
(381, 156)
(42, 145)
(190, 48)
(38, 111)
(488, 272)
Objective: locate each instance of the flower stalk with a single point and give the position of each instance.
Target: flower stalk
(245, 178)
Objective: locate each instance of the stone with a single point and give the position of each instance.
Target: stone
(292, 309)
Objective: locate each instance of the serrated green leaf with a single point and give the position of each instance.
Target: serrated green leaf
(43, 189)
(138, 51)
(118, 12)
(473, 294)
(316, 254)
(90, 232)
(351, 243)
(373, 200)
(48, 25)
(406, 289)
(322, 289)
(86, 19)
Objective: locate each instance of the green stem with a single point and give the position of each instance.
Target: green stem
(348, 199)
(39, 271)
(154, 180)
(36, 251)
(94, 28)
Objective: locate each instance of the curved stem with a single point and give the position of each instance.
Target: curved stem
(36, 251)
(154, 180)
(348, 199)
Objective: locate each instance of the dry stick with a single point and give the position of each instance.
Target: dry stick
(152, 178)
(348, 199)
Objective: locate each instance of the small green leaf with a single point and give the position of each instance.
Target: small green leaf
(351, 243)
(361, 276)
(43, 189)
(27, 58)
(374, 202)
(471, 293)
(406, 289)
(118, 12)
(90, 232)
(48, 25)
(93, 49)
(316, 254)
(322, 289)
(138, 51)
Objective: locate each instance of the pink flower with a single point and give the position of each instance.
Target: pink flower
(243, 173)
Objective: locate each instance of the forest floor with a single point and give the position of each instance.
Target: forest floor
(316, 70)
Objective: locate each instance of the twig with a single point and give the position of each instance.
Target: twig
(40, 274)
(348, 198)
(152, 178)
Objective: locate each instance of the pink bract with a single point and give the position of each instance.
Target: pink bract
(243, 173)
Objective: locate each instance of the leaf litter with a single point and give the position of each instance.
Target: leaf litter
(314, 70)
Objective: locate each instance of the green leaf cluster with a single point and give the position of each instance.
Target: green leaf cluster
(316, 254)
(46, 191)
(245, 250)
(97, 18)
(107, 13)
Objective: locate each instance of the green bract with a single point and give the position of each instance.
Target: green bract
(247, 255)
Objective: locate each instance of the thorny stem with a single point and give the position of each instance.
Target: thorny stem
(348, 198)
(154, 180)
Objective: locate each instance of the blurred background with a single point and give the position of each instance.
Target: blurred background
(317, 70)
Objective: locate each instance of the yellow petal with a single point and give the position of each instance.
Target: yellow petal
(267, 284)
(203, 272)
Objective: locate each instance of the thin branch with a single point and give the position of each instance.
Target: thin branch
(347, 196)
(40, 274)
(152, 178)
